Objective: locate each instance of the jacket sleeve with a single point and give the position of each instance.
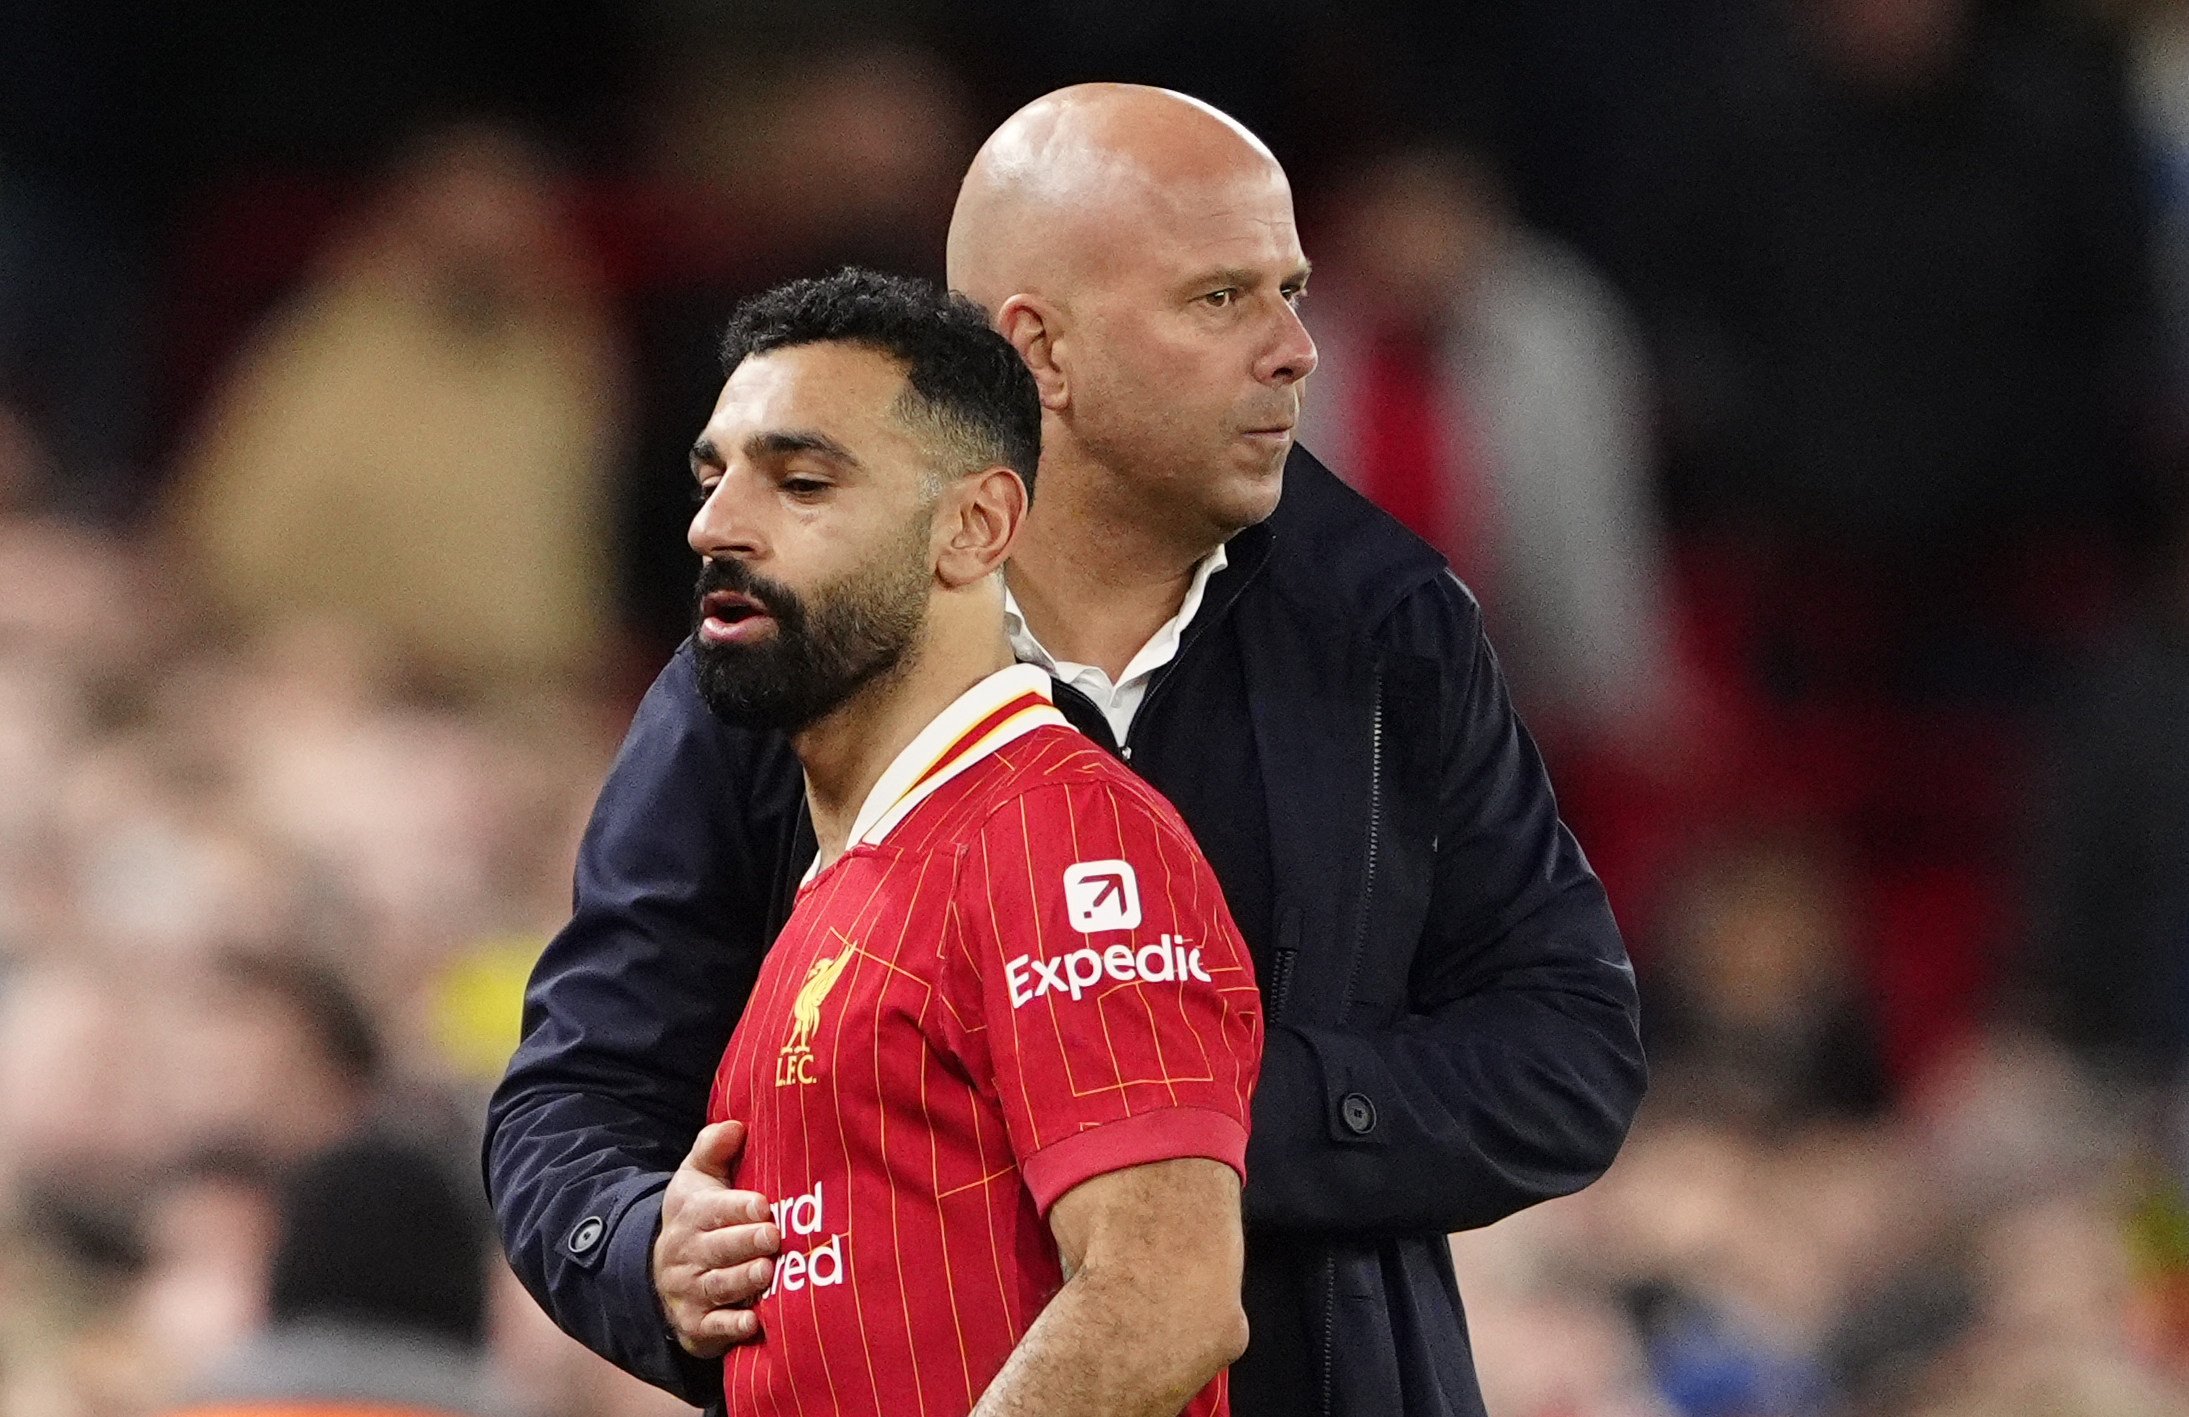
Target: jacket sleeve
(1517, 1067)
(625, 1019)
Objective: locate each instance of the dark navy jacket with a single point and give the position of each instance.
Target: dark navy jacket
(1452, 1016)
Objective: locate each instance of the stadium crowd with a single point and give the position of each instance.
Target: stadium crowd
(1802, 387)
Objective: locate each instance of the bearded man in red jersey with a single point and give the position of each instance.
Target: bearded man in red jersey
(995, 1071)
(1452, 1033)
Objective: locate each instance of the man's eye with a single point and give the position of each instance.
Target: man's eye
(1295, 295)
(1220, 298)
(701, 491)
(804, 486)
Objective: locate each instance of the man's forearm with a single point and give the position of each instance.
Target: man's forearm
(1446, 1121)
(1115, 1344)
(593, 1280)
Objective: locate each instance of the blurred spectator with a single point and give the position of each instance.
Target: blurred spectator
(1755, 1007)
(1896, 260)
(156, 861)
(66, 1344)
(1558, 1343)
(1973, 1256)
(70, 594)
(418, 448)
(556, 1377)
(2010, 1118)
(2051, 1332)
(74, 292)
(208, 1234)
(1486, 386)
(377, 1299)
(73, 1105)
(269, 1053)
(2158, 58)
(837, 149)
(2109, 957)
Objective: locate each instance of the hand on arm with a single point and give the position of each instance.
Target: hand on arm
(714, 1253)
(626, 1018)
(1149, 1312)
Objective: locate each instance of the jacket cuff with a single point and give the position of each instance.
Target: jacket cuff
(627, 1279)
(1316, 1125)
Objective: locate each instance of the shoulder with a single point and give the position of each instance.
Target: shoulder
(1344, 565)
(1339, 555)
(676, 744)
(1091, 847)
(673, 709)
(1439, 619)
(1060, 786)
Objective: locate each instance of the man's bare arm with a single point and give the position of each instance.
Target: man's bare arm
(1149, 1312)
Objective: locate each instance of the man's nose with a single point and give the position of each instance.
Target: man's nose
(726, 524)
(1291, 356)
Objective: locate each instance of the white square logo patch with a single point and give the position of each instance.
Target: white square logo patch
(1101, 895)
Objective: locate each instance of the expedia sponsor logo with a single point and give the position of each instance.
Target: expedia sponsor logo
(1101, 896)
(819, 1264)
(1169, 960)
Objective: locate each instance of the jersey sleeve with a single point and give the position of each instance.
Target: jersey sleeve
(1103, 987)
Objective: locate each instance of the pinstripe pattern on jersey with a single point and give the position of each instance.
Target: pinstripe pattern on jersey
(940, 1120)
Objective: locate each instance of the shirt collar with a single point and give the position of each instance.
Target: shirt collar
(1001, 708)
(1153, 655)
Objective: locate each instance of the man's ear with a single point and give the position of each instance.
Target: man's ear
(1035, 330)
(978, 521)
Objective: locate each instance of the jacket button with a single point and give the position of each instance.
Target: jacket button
(587, 1234)
(1358, 1113)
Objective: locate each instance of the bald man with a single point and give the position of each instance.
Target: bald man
(1452, 1030)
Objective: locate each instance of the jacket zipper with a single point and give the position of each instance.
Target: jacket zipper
(1208, 614)
(1163, 678)
(1282, 962)
(1280, 981)
(1352, 977)
(1375, 840)
(1330, 1329)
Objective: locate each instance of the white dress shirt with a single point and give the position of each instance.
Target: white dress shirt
(1118, 700)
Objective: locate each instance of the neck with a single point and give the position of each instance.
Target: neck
(846, 753)
(1095, 577)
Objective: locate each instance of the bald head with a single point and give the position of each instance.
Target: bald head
(1073, 181)
(1138, 249)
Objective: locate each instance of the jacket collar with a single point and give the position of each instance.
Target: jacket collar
(1339, 552)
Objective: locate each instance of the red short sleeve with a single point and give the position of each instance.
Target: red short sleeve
(1121, 1016)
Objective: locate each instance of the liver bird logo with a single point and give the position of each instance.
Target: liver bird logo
(805, 1011)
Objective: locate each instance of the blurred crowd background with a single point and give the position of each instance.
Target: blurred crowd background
(1802, 384)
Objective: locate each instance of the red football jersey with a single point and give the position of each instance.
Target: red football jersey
(1020, 976)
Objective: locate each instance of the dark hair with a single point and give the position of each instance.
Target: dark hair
(962, 380)
(322, 999)
(377, 1230)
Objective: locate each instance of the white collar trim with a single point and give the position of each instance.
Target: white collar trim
(975, 725)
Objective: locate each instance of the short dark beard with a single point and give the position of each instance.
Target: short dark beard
(856, 632)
